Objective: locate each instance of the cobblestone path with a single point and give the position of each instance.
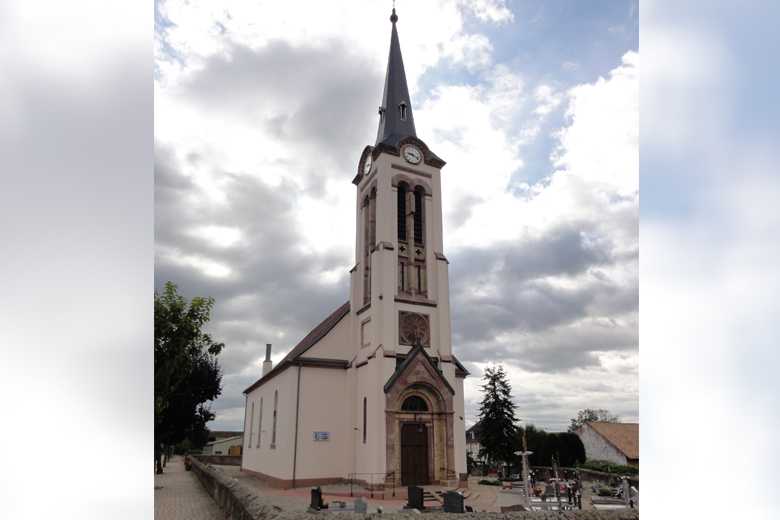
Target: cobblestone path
(178, 495)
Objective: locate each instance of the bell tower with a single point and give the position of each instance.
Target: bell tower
(400, 282)
(408, 383)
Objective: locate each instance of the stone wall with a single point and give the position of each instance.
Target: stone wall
(239, 502)
(222, 460)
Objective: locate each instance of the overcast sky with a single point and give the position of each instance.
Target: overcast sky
(263, 108)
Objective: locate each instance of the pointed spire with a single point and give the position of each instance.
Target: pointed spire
(395, 115)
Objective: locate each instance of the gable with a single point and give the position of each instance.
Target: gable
(624, 437)
(417, 358)
(309, 341)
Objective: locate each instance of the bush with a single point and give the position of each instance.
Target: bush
(609, 467)
(605, 491)
(486, 482)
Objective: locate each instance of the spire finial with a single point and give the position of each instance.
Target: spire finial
(393, 17)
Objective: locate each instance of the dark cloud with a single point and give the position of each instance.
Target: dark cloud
(507, 300)
(322, 100)
(505, 290)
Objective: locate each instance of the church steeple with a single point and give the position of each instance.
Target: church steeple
(395, 115)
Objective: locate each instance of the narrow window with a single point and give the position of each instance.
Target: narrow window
(251, 424)
(260, 424)
(419, 279)
(366, 253)
(402, 107)
(372, 218)
(273, 430)
(365, 406)
(401, 206)
(402, 276)
(419, 200)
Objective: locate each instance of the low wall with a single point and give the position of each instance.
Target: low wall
(587, 474)
(239, 502)
(221, 460)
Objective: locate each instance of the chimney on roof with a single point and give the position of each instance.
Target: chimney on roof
(267, 364)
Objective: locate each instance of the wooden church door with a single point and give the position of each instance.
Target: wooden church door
(414, 454)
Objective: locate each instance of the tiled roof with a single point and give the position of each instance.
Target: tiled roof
(316, 334)
(623, 436)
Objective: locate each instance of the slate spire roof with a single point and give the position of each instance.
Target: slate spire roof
(395, 115)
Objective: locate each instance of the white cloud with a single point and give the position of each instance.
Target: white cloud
(490, 10)
(256, 101)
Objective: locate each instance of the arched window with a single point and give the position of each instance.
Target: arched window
(365, 420)
(414, 403)
(403, 188)
(366, 250)
(419, 218)
(260, 424)
(273, 429)
(372, 218)
(251, 424)
(402, 108)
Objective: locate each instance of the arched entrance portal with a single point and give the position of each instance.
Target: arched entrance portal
(419, 417)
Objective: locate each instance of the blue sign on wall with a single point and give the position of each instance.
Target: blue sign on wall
(321, 436)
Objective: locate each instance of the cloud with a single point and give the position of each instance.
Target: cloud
(258, 131)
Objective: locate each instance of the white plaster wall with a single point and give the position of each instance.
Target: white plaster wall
(275, 462)
(370, 457)
(337, 344)
(459, 424)
(323, 394)
(597, 448)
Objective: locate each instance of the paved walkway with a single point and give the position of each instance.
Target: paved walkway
(179, 495)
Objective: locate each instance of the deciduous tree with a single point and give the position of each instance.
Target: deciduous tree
(186, 372)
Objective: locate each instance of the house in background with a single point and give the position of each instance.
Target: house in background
(225, 445)
(472, 442)
(617, 443)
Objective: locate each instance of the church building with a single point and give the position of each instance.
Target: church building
(374, 393)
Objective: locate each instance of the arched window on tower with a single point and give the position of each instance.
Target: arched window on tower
(403, 108)
(419, 212)
(414, 403)
(403, 188)
(366, 251)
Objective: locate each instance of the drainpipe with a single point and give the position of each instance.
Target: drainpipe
(297, 409)
(243, 432)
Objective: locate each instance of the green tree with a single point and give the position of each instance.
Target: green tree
(566, 448)
(588, 415)
(498, 425)
(186, 372)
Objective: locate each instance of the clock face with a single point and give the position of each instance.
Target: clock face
(367, 165)
(412, 154)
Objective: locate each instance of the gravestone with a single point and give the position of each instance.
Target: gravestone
(453, 502)
(316, 499)
(361, 506)
(415, 498)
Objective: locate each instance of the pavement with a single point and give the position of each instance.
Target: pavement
(179, 495)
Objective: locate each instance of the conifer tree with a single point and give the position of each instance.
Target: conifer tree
(498, 425)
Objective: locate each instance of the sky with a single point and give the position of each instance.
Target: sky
(77, 219)
(262, 110)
